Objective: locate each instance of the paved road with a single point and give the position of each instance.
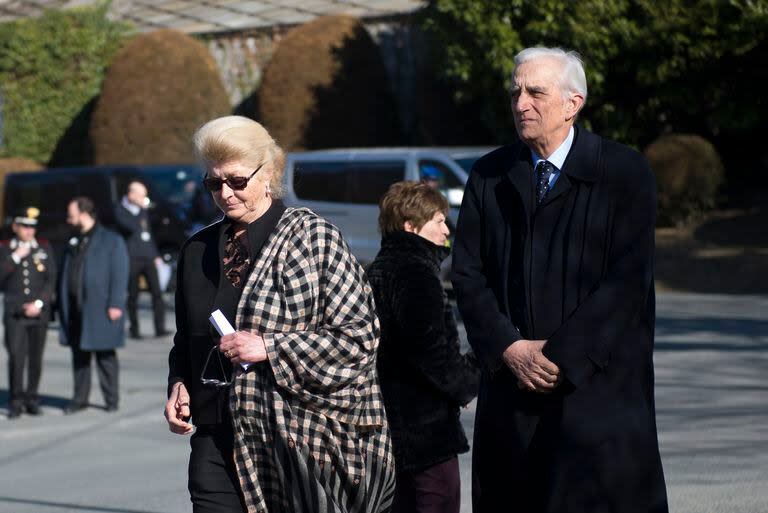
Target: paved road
(711, 368)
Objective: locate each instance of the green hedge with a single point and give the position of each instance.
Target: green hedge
(652, 67)
(689, 174)
(51, 68)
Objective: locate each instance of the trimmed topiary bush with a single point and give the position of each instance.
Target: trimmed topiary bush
(51, 67)
(688, 172)
(158, 90)
(14, 165)
(326, 86)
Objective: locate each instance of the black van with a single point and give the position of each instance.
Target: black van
(178, 206)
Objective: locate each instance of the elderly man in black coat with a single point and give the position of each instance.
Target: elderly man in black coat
(553, 270)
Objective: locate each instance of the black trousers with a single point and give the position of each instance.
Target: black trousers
(107, 367)
(436, 489)
(213, 483)
(145, 267)
(25, 342)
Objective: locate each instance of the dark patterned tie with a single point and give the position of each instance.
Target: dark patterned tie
(544, 171)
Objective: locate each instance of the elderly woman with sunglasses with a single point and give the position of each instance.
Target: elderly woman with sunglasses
(287, 409)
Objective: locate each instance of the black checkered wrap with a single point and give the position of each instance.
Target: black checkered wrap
(311, 418)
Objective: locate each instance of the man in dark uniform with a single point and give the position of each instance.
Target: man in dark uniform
(133, 221)
(28, 278)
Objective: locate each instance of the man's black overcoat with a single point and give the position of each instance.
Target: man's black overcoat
(577, 271)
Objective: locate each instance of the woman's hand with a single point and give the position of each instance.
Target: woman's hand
(177, 410)
(243, 347)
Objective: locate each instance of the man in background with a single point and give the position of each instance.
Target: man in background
(133, 222)
(27, 277)
(92, 293)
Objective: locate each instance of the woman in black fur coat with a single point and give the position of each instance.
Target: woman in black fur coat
(425, 379)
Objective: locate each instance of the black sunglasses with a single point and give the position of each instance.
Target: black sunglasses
(236, 183)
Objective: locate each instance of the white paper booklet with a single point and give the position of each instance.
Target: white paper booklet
(223, 327)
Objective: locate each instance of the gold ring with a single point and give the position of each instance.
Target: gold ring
(227, 353)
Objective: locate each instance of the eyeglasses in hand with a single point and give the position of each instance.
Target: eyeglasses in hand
(236, 183)
(219, 383)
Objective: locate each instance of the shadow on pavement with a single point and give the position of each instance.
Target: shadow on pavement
(717, 326)
(72, 507)
(45, 400)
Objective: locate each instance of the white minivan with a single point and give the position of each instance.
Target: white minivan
(345, 185)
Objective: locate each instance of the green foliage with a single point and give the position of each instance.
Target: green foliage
(688, 172)
(51, 68)
(478, 39)
(651, 66)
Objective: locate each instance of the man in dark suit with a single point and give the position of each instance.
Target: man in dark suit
(553, 271)
(133, 221)
(92, 291)
(27, 277)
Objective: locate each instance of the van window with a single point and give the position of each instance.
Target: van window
(435, 171)
(346, 182)
(320, 181)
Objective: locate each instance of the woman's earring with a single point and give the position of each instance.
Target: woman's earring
(269, 191)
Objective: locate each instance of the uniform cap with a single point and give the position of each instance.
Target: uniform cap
(28, 216)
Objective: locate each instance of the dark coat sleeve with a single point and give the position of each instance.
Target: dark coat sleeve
(49, 286)
(127, 223)
(119, 265)
(419, 310)
(491, 331)
(178, 358)
(583, 343)
(7, 265)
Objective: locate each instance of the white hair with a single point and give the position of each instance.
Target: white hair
(237, 138)
(572, 80)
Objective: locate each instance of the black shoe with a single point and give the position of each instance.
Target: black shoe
(135, 334)
(14, 412)
(33, 409)
(163, 333)
(74, 408)
(111, 408)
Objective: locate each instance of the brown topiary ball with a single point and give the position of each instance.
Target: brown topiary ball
(688, 172)
(13, 165)
(160, 87)
(326, 86)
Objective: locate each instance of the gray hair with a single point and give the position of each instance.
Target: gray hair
(237, 138)
(573, 79)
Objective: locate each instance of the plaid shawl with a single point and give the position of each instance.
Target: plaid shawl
(314, 410)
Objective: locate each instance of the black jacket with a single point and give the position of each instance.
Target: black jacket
(137, 232)
(201, 288)
(424, 377)
(34, 277)
(577, 271)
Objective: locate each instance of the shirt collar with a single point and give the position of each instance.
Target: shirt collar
(130, 207)
(558, 156)
(15, 243)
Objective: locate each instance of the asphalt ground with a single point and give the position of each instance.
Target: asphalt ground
(711, 367)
